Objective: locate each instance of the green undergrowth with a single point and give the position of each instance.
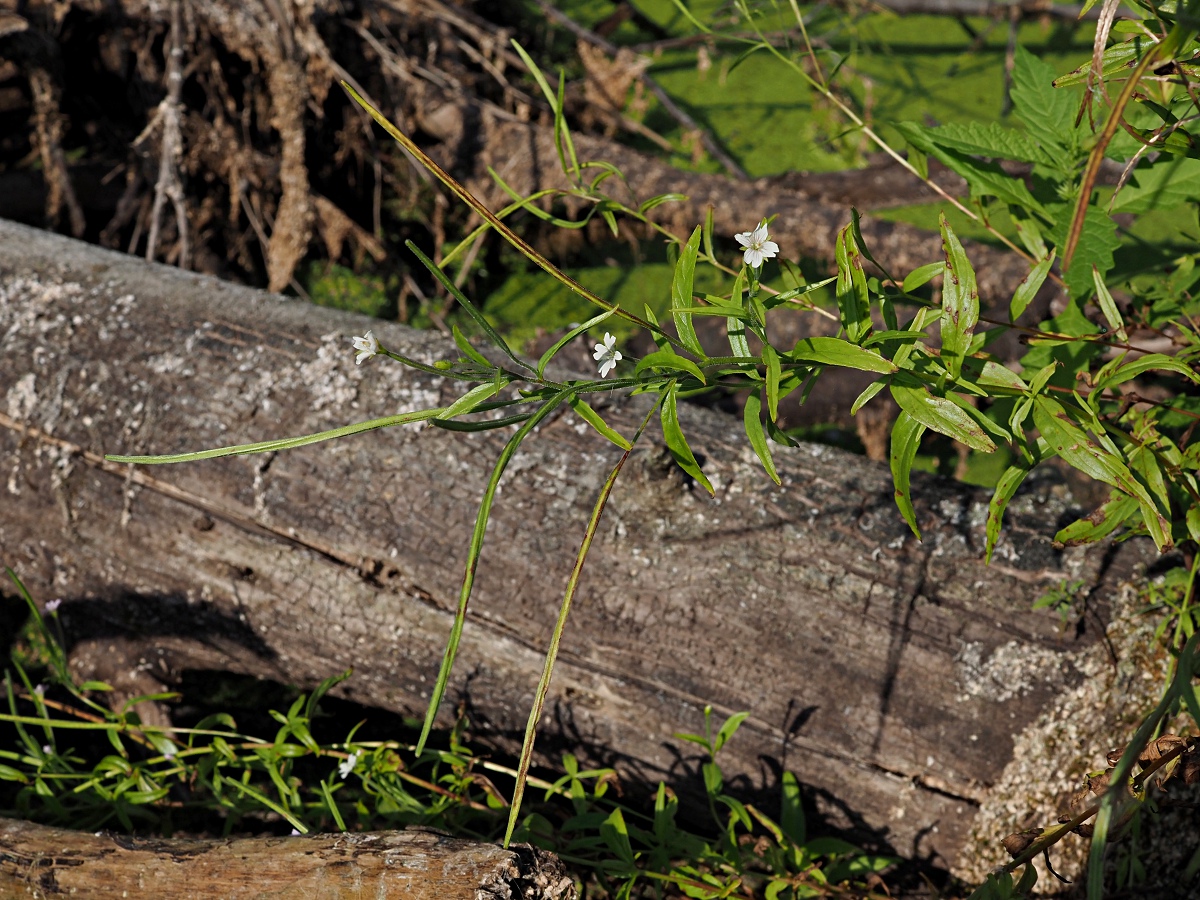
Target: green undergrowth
(246, 756)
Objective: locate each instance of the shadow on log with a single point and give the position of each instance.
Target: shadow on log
(889, 674)
(394, 865)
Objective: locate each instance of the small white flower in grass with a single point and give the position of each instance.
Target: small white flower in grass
(40, 690)
(53, 605)
(346, 766)
(607, 355)
(757, 247)
(367, 346)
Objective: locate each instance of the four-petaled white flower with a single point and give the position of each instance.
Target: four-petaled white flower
(346, 766)
(757, 247)
(607, 355)
(367, 346)
(53, 605)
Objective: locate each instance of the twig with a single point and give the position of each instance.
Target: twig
(168, 185)
(686, 121)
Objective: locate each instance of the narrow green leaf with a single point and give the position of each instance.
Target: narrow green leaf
(671, 361)
(941, 415)
(771, 360)
(708, 234)
(681, 293)
(906, 438)
(471, 399)
(1029, 287)
(1108, 306)
(1074, 445)
(852, 296)
(589, 415)
(866, 396)
(1100, 523)
(473, 552)
(752, 417)
(567, 338)
(1146, 363)
(837, 352)
(453, 291)
(1006, 487)
(465, 346)
(282, 443)
(960, 302)
(922, 276)
(677, 443)
(791, 810)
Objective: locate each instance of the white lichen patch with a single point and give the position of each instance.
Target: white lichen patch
(1068, 740)
(1012, 670)
(22, 397)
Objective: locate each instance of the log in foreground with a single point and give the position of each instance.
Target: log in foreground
(36, 861)
(889, 674)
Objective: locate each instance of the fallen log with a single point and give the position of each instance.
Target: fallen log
(889, 674)
(36, 861)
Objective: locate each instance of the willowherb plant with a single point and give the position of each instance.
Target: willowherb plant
(1072, 395)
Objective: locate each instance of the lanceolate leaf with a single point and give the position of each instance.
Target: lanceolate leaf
(677, 443)
(852, 297)
(752, 416)
(941, 415)
(906, 438)
(672, 361)
(918, 277)
(1108, 306)
(836, 352)
(1028, 288)
(681, 293)
(1006, 487)
(1150, 361)
(567, 338)
(1100, 523)
(960, 302)
(771, 358)
(589, 415)
(1074, 445)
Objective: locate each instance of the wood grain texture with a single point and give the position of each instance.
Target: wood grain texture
(38, 863)
(888, 674)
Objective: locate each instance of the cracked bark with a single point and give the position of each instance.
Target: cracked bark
(407, 865)
(789, 602)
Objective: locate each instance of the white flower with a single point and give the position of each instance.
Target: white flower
(607, 355)
(53, 605)
(346, 766)
(40, 690)
(757, 246)
(367, 346)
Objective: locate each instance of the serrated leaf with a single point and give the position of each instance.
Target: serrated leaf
(1097, 242)
(992, 140)
(906, 438)
(771, 360)
(837, 352)
(676, 442)
(986, 179)
(593, 418)
(1102, 521)
(1006, 487)
(1047, 112)
(1029, 287)
(960, 302)
(941, 415)
(681, 293)
(752, 418)
(671, 361)
(921, 276)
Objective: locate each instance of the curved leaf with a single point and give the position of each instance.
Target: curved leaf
(906, 438)
(672, 361)
(752, 418)
(960, 302)
(837, 352)
(942, 415)
(1006, 487)
(677, 443)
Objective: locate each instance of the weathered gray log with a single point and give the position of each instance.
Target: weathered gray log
(888, 674)
(36, 861)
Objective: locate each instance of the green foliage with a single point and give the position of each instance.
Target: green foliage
(154, 780)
